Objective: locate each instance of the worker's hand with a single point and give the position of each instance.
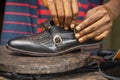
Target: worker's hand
(96, 25)
(64, 12)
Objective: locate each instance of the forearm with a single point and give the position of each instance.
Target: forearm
(114, 8)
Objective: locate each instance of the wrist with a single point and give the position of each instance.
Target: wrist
(113, 8)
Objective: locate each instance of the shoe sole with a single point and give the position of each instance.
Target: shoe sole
(82, 48)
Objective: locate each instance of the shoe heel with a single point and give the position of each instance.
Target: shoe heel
(91, 47)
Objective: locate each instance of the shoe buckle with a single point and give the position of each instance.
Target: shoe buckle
(57, 40)
(46, 27)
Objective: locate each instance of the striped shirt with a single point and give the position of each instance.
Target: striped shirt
(23, 17)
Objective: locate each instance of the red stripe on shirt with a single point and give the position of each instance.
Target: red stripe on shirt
(81, 14)
(85, 6)
(44, 12)
(18, 32)
(93, 5)
(39, 30)
(21, 4)
(19, 23)
(40, 2)
(21, 14)
(39, 21)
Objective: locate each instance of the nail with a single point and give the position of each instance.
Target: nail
(81, 40)
(66, 28)
(78, 28)
(57, 25)
(72, 26)
(77, 35)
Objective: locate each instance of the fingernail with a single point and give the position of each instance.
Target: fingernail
(78, 28)
(80, 40)
(72, 25)
(77, 35)
(57, 25)
(66, 28)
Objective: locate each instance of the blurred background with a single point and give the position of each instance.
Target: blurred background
(111, 42)
(113, 39)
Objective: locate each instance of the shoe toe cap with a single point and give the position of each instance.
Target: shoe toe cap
(23, 44)
(16, 42)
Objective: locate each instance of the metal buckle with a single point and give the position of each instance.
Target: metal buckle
(57, 40)
(46, 27)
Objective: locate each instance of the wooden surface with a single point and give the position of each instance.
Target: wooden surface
(76, 76)
(40, 65)
(81, 76)
(9, 62)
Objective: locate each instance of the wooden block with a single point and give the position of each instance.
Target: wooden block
(9, 62)
(75, 76)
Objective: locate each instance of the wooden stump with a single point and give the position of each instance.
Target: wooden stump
(10, 62)
(75, 76)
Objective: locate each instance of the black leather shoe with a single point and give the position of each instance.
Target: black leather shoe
(52, 41)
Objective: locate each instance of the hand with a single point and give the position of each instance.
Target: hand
(64, 12)
(96, 25)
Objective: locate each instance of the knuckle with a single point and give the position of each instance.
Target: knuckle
(97, 33)
(76, 12)
(53, 15)
(108, 19)
(91, 29)
(82, 25)
(69, 15)
(93, 34)
(90, 20)
(103, 11)
(61, 15)
(50, 1)
(110, 24)
(82, 33)
(94, 28)
(87, 37)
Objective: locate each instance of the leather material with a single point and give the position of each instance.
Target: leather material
(52, 41)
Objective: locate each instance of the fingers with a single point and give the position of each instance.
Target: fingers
(52, 8)
(75, 11)
(103, 35)
(64, 12)
(93, 27)
(68, 13)
(91, 19)
(60, 11)
(97, 35)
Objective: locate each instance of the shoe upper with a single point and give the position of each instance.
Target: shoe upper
(52, 40)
